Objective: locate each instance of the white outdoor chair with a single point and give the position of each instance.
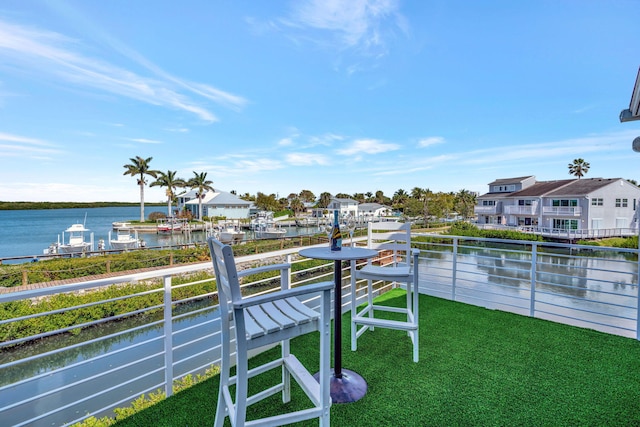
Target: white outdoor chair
(398, 263)
(269, 319)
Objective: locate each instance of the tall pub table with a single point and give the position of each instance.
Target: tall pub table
(346, 386)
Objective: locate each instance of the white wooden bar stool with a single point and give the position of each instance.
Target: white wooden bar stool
(266, 319)
(397, 262)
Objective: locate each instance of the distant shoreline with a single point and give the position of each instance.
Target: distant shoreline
(16, 206)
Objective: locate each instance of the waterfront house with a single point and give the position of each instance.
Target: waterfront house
(588, 204)
(343, 206)
(373, 210)
(216, 203)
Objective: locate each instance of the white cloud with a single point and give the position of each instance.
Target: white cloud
(432, 140)
(306, 159)
(367, 146)
(144, 141)
(259, 165)
(57, 57)
(355, 23)
(21, 146)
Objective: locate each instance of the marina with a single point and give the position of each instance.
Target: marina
(26, 234)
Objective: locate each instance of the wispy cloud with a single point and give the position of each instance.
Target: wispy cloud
(144, 140)
(363, 25)
(432, 140)
(306, 159)
(21, 146)
(53, 55)
(367, 146)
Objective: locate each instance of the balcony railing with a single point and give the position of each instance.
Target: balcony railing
(487, 210)
(99, 365)
(562, 210)
(521, 210)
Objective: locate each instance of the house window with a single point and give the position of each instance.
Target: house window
(488, 203)
(525, 202)
(565, 224)
(597, 201)
(564, 202)
(622, 203)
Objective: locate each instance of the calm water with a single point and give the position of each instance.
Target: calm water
(29, 232)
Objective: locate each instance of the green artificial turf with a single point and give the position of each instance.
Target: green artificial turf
(477, 367)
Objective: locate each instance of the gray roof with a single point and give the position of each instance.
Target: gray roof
(541, 188)
(371, 206)
(510, 180)
(584, 186)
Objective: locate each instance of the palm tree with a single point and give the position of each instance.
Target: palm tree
(140, 167)
(324, 200)
(202, 185)
(465, 201)
(172, 183)
(578, 168)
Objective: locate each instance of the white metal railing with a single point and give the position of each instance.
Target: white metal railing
(592, 287)
(171, 336)
(562, 210)
(562, 233)
(487, 210)
(521, 210)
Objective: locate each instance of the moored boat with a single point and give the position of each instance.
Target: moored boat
(125, 238)
(169, 225)
(230, 234)
(76, 243)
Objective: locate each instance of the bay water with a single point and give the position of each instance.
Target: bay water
(29, 232)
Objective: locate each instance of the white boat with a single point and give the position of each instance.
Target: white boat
(271, 233)
(124, 238)
(264, 226)
(230, 235)
(268, 230)
(76, 242)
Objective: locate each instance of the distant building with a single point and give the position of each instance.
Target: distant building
(215, 203)
(373, 210)
(343, 206)
(568, 204)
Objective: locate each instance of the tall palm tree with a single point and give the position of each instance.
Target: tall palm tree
(139, 167)
(200, 183)
(172, 183)
(578, 168)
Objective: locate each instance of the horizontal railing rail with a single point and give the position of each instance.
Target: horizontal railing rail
(165, 327)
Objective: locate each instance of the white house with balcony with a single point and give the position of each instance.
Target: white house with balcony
(571, 204)
(343, 206)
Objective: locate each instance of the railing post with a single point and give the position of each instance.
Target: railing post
(454, 268)
(168, 338)
(25, 277)
(534, 262)
(286, 283)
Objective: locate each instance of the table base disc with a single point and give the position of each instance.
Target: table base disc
(350, 388)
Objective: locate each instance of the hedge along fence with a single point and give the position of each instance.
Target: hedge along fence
(70, 268)
(121, 299)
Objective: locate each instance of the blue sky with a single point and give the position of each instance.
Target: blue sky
(339, 96)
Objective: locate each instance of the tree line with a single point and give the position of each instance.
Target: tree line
(418, 202)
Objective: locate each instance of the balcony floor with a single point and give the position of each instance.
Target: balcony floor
(477, 367)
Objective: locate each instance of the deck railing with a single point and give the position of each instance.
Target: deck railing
(91, 367)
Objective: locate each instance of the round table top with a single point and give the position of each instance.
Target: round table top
(346, 253)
